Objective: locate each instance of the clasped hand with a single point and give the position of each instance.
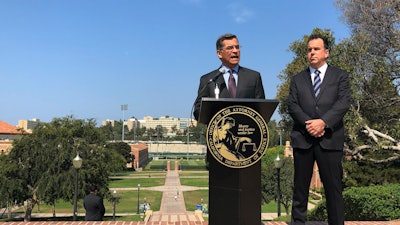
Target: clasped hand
(316, 127)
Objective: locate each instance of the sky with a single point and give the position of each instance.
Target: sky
(86, 58)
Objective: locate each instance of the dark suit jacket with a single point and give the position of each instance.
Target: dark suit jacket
(331, 105)
(94, 207)
(249, 85)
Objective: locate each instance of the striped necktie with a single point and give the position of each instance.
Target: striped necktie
(231, 85)
(317, 82)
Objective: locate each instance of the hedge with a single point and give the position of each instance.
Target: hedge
(372, 203)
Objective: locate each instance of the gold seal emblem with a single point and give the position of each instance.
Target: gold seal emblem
(237, 136)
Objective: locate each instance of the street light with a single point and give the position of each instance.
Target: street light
(138, 204)
(278, 165)
(188, 144)
(123, 108)
(77, 163)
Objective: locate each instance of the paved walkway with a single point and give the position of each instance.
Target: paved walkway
(173, 210)
(173, 207)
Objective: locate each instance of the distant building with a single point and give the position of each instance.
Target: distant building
(132, 123)
(28, 125)
(316, 183)
(106, 122)
(8, 133)
(171, 124)
(141, 153)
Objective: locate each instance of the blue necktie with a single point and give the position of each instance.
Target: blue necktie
(317, 82)
(232, 85)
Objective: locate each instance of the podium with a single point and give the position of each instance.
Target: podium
(237, 138)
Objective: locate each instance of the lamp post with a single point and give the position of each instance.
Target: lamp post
(123, 108)
(278, 165)
(188, 144)
(138, 204)
(77, 163)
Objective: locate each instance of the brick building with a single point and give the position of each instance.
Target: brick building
(141, 153)
(316, 183)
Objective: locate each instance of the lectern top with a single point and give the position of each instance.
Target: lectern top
(210, 106)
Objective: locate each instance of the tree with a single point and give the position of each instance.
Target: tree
(10, 183)
(121, 148)
(375, 58)
(269, 178)
(45, 161)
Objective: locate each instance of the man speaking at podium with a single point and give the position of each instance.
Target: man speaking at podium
(230, 80)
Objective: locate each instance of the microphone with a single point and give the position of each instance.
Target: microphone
(220, 71)
(216, 91)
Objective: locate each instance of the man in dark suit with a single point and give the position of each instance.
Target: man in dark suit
(94, 205)
(319, 97)
(247, 82)
(233, 193)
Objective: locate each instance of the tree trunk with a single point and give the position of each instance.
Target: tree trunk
(53, 209)
(28, 210)
(9, 210)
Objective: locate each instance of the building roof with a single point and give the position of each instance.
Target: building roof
(6, 128)
(138, 146)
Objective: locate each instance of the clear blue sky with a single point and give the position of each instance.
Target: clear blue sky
(88, 57)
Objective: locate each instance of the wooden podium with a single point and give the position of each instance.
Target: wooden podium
(235, 172)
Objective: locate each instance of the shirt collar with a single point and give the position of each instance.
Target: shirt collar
(322, 69)
(235, 69)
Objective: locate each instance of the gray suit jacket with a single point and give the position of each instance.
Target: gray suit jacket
(331, 105)
(249, 85)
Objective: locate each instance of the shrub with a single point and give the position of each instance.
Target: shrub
(373, 202)
(378, 203)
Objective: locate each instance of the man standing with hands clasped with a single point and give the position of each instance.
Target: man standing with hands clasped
(319, 97)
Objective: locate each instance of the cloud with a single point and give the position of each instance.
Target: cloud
(240, 13)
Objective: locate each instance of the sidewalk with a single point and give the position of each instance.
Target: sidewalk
(173, 210)
(173, 207)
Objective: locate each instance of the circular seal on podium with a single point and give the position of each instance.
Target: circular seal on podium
(237, 136)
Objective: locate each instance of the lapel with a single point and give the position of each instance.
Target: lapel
(306, 79)
(240, 81)
(327, 80)
(223, 90)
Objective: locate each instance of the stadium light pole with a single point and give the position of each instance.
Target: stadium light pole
(123, 108)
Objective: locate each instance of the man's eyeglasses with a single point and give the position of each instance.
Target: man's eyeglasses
(231, 47)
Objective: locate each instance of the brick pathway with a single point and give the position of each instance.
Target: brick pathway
(183, 223)
(173, 211)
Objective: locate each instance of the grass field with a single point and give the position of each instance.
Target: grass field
(128, 199)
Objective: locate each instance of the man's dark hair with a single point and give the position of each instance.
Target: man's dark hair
(222, 38)
(93, 188)
(316, 36)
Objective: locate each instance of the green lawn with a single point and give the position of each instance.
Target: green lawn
(196, 182)
(128, 201)
(124, 182)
